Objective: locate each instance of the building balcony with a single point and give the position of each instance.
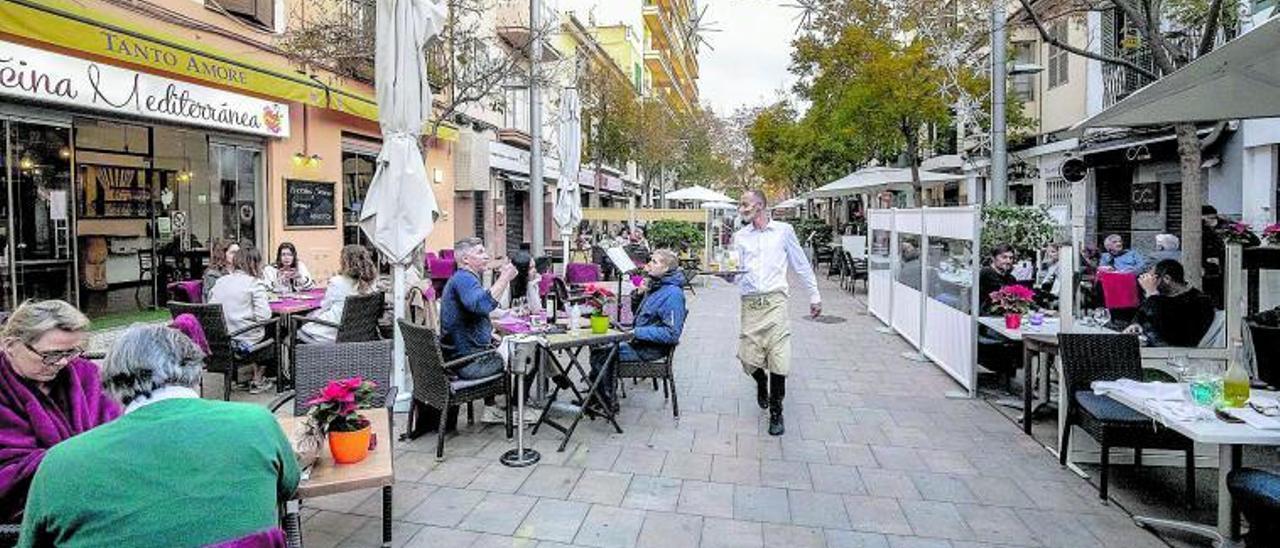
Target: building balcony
(511, 18)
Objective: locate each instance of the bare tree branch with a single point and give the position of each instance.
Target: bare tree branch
(1044, 35)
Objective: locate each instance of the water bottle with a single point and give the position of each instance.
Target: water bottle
(575, 317)
(1235, 384)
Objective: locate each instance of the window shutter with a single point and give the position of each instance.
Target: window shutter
(265, 12)
(262, 12)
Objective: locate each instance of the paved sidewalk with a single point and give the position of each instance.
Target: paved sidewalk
(874, 456)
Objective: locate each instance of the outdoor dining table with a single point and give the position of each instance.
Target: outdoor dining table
(326, 477)
(572, 344)
(1038, 340)
(1230, 438)
(285, 306)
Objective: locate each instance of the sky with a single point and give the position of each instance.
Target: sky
(752, 51)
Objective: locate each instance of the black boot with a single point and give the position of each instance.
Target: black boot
(777, 391)
(762, 388)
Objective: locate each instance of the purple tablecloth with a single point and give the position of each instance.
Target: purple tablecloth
(303, 301)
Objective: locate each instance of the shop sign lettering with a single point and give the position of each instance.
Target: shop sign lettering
(45, 77)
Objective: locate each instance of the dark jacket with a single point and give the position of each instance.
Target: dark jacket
(464, 316)
(661, 317)
(1179, 320)
(989, 281)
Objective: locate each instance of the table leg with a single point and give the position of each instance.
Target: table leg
(1026, 388)
(386, 516)
(1228, 518)
(293, 523)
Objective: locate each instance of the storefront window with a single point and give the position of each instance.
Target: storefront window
(357, 174)
(236, 170)
(40, 263)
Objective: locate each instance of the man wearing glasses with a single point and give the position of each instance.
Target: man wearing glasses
(766, 248)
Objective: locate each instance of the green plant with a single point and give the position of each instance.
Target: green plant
(812, 227)
(678, 236)
(1026, 228)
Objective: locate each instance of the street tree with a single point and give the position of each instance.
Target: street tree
(1173, 33)
(610, 117)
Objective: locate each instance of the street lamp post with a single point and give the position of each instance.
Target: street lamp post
(535, 130)
(999, 147)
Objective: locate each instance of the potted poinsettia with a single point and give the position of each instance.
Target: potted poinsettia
(598, 297)
(1239, 233)
(1013, 301)
(337, 412)
(1272, 234)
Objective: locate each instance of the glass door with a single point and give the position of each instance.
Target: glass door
(38, 170)
(237, 174)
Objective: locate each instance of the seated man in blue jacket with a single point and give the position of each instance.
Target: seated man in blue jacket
(658, 323)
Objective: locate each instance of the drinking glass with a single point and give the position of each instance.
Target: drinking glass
(1205, 388)
(1102, 316)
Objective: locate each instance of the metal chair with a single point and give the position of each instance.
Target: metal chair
(662, 369)
(435, 386)
(360, 315)
(689, 274)
(317, 365)
(1089, 358)
(222, 359)
(1257, 495)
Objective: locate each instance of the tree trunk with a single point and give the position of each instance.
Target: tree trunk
(1189, 160)
(913, 151)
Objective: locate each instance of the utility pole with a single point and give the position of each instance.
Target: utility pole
(536, 200)
(999, 147)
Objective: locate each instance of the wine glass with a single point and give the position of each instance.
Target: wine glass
(1102, 316)
(1205, 388)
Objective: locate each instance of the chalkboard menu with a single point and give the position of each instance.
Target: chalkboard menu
(309, 204)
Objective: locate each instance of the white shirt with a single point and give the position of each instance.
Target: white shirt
(331, 307)
(765, 254)
(244, 301)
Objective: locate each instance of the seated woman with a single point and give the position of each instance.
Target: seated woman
(1172, 313)
(1047, 285)
(358, 275)
(221, 254)
(288, 273)
(243, 297)
(523, 286)
(175, 470)
(47, 393)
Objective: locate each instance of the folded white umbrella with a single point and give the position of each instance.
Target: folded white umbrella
(400, 207)
(568, 210)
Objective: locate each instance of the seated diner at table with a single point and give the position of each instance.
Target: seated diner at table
(658, 324)
(221, 256)
(1117, 258)
(523, 286)
(358, 276)
(48, 393)
(997, 274)
(175, 470)
(1172, 312)
(288, 273)
(243, 297)
(1047, 285)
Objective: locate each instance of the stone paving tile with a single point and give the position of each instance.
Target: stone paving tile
(636, 460)
(889, 483)
(917, 542)
(716, 443)
(876, 514)
(761, 504)
(456, 472)
(498, 513)
(855, 539)
(601, 487)
(668, 530)
(550, 481)
(802, 450)
(851, 454)
(936, 519)
(609, 527)
(433, 537)
(504, 541)
(554, 520)
(730, 533)
(652, 493)
(998, 491)
(692, 466)
(942, 487)
(785, 474)
(899, 458)
(833, 478)
(736, 470)
(445, 507)
(817, 509)
(370, 534)
(597, 457)
(706, 499)
(792, 536)
(499, 478)
(1057, 529)
(993, 524)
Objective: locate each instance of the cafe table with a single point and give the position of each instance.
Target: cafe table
(1038, 340)
(1230, 438)
(286, 305)
(326, 477)
(572, 344)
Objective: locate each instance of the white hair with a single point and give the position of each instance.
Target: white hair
(1167, 242)
(33, 319)
(150, 357)
(1114, 238)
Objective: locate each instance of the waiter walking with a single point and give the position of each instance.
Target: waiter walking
(766, 247)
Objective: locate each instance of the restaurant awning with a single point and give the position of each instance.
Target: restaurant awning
(789, 203)
(869, 178)
(697, 193)
(1239, 80)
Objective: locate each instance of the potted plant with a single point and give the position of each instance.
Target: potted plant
(1013, 301)
(599, 297)
(337, 413)
(1239, 233)
(1272, 234)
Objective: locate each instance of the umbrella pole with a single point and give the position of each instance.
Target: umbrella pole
(397, 303)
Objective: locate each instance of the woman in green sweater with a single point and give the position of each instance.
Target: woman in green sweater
(174, 470)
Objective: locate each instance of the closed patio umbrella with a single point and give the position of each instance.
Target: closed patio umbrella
(400, 207)
(568, 211)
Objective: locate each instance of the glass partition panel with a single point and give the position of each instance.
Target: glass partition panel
(909, 260)
(950, 272)
(879, 256)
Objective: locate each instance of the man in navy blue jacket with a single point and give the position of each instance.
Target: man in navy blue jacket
(658, 323)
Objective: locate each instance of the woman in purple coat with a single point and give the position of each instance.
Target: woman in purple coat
(48, 393)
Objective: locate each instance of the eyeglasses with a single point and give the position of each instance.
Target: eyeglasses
(54, 357)
(1266, 410)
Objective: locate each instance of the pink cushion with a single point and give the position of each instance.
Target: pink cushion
(1119, 289)
(441, 268)
(545, 283)
(579, 273)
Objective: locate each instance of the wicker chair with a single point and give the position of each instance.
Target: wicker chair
(663, 369)
(317, 364)
(434, 385)
(1257, 495)
(1089, 358)
(221, 358)
(360, 315)
(9, 533)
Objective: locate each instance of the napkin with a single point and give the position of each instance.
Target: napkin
(1161, 391)
(1254, 418)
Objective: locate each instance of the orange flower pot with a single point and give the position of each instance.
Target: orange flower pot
(350, 447)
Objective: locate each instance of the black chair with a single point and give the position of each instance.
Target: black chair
(661, 369)
(690, 273)
(435, 385)
(317, 365)
(1257, 495)
(1089, 358)
(146, 270)
(562, 298)
(9, 534)
(360, 315)
(222, 359)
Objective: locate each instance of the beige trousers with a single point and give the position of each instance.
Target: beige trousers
(765, 342)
